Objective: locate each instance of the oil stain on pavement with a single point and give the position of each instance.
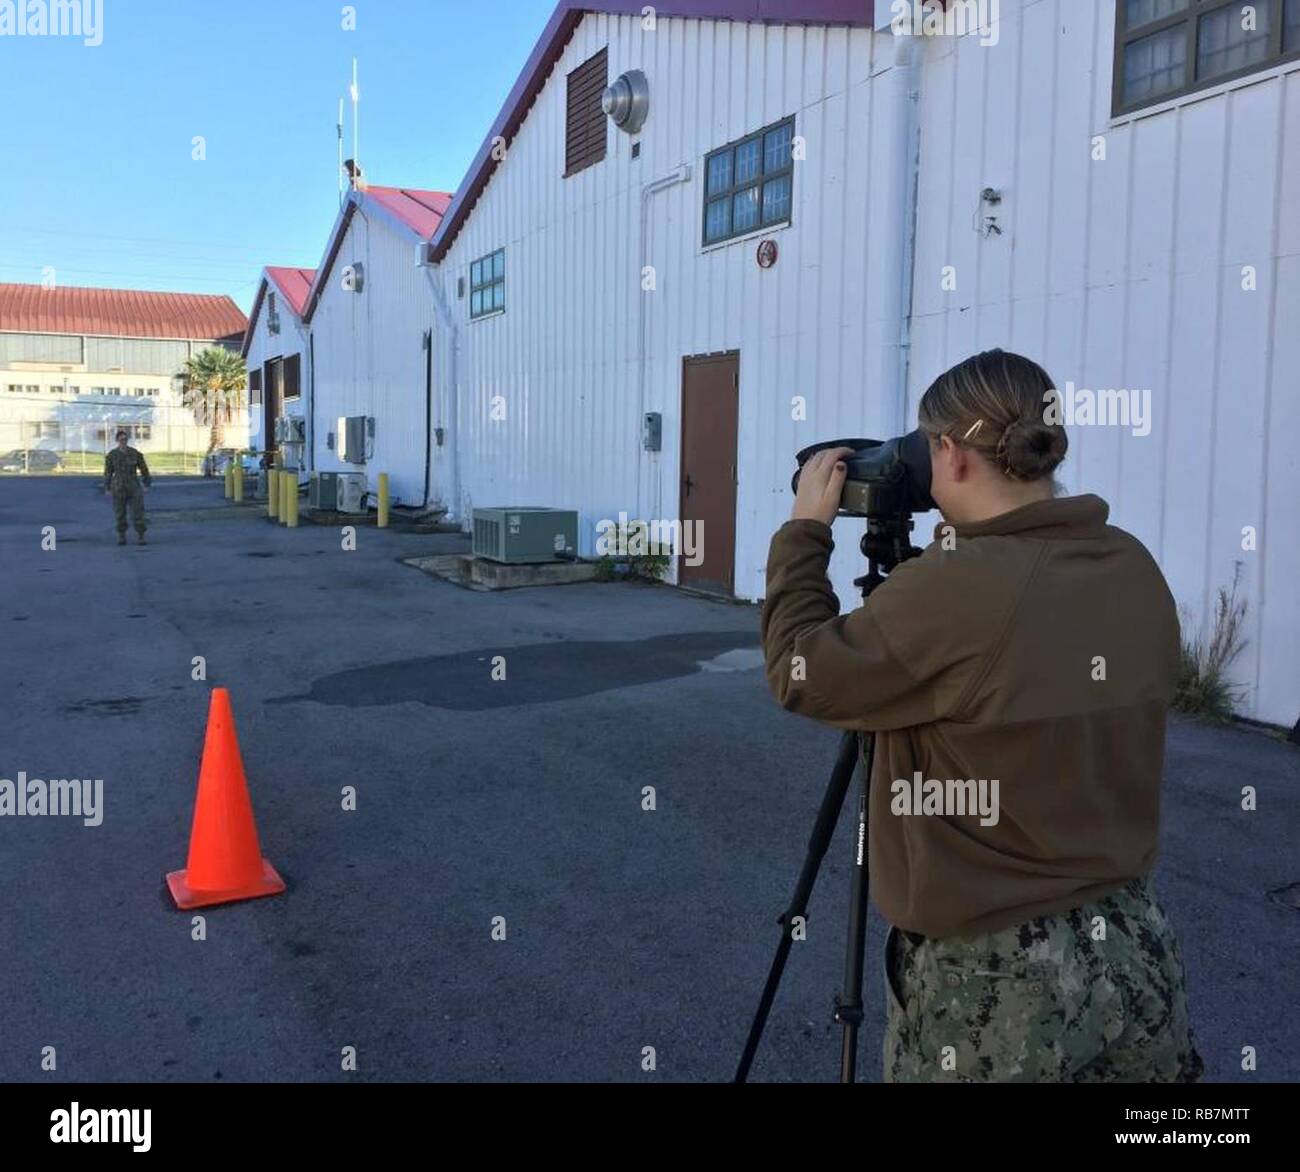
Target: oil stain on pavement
(536, 673)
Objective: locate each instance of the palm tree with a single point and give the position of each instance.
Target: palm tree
(212, 386)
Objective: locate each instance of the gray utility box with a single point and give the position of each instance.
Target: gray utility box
(526, 534)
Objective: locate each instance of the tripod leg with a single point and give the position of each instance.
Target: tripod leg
(818, 841)
(848, 1005)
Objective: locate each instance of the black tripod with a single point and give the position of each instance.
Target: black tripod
(885, 544)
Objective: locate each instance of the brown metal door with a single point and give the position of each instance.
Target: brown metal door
(710, 413)
(273, 400)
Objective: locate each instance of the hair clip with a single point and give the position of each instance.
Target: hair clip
(973, 429)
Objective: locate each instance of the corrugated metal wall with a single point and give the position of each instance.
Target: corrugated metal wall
(370, 355)
(1128, 273)
(1117, 274)
(562, 359)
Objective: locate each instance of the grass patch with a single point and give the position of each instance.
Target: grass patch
(92, 464)
(1204, 689)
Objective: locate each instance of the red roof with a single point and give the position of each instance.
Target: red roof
(566, 17)
(421, 211)
(119, 313)
(294, 285)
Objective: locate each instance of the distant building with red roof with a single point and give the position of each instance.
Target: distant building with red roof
(119, 313)
(77, 363)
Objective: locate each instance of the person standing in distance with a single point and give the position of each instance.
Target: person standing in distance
(120, 468)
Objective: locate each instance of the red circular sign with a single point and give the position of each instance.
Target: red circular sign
(767, 254)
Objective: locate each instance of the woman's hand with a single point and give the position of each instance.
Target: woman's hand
(820, 485)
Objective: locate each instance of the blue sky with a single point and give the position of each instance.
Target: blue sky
(101, 184)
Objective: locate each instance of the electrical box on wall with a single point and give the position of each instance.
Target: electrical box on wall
(652, 432)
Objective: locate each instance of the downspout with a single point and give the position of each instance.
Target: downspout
(905, 153)
(444, 311)
(681, 175)
(428, 413)
(311, 404)
(309, 437)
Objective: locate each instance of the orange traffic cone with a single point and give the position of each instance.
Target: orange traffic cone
(225, 862)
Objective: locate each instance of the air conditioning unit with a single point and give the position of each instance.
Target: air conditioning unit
(353, 433)
(526, 534)
(290, 430)
(336, 492)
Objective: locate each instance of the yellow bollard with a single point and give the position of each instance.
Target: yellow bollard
(383, 501)
(230, 481)
(291, 501)
(272, 492)
(238, 486)
(286, 479)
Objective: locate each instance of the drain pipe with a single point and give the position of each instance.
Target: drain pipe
(681, 175)
(449, 321)
(309, 421)
(905, 151)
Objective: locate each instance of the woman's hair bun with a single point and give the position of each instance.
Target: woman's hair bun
(1031, 448)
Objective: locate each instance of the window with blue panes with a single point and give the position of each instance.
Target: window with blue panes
(1167, 48)
(750, 184)
(487, 284)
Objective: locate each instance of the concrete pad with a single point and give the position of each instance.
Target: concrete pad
(482, 574)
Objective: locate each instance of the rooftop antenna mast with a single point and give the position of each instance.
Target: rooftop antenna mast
(356, 124)
(340, 125)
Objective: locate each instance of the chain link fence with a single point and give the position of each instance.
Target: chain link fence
(41, 435)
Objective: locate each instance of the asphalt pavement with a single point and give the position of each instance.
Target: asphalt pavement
(480, 802)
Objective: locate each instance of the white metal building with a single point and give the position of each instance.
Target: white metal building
(369, 316)
(820, 214)
(276, 351)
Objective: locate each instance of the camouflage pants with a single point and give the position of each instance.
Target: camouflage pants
(131, 495)
(1044, 1001)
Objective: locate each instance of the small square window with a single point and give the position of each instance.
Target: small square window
(748, 160)
(777, 146)
(1224, 46)
(720, 172)
(718, 220)
(744, 214)
(1155, 65)
(776, 200)
(488, 284)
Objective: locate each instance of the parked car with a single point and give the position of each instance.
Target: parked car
(30, 460)
(216, 462)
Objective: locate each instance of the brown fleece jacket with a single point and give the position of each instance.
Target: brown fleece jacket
(1040, 650)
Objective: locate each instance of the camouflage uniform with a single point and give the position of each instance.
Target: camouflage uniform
(1043, 1001)
(120, 476)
